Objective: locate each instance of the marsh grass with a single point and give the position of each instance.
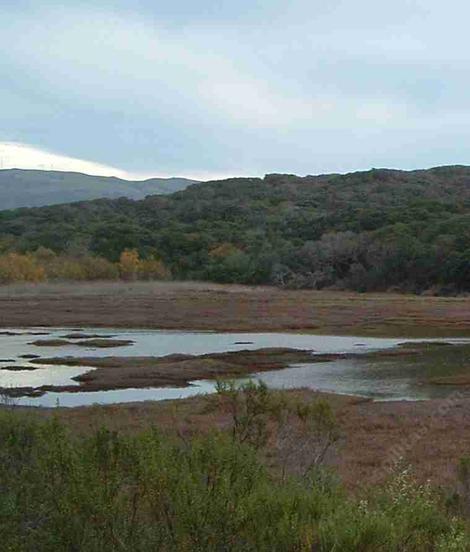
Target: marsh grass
(205, 306)
(211, 492)
(428, 363)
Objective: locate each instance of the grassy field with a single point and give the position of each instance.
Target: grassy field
(430, 436)
(201, 306)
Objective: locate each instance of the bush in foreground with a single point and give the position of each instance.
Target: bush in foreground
(148, 492)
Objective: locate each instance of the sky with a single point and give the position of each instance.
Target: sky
(219, 88)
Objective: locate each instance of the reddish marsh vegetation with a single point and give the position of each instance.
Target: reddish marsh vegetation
(188, 305)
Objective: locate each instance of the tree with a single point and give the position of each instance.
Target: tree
(129, 264)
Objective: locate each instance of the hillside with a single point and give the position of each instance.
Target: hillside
(371, 230)
(35, 188)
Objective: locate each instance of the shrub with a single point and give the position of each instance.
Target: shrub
(302, 431)
(97, 268)
(148, 492)
(15, 267)
(152, 269)
(129, 264)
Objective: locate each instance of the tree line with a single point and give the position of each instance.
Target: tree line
(45, 265)
(369, 231)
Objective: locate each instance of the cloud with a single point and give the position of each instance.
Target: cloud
(13, 156)
(218, 88)
(24, 156)
(111, 64)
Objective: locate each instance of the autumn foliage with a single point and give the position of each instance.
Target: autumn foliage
(20, 268)
(131, 267)
(45, 265)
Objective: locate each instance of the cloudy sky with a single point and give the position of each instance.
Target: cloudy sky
(213, 88)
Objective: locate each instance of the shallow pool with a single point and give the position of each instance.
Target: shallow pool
(383, 380)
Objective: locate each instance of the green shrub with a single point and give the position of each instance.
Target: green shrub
(148, 492)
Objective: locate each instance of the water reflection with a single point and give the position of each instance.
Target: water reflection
(390, 379)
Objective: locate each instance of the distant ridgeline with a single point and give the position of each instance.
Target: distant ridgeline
(375, 230)
(32, 188)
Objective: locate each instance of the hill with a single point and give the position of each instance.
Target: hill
(371, 230)
(35, 188)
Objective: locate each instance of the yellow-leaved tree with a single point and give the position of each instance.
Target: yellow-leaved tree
(129, 264)
(132, 267)
(15, 267)
(153, 269)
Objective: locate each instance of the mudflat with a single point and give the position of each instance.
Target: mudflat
(173, 370)
(203, 306)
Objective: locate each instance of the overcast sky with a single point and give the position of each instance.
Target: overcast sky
(212, 88)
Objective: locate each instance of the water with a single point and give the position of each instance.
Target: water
(161, 343)
(382, 380)
(89, 398)
(353, 377)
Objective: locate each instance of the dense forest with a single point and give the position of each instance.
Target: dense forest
(375, 230)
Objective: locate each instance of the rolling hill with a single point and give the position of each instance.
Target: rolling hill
(374, 230)
(35, 188)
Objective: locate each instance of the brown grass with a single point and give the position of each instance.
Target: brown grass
(430, 435)
(172, 370)
(201, 306)
(97, 343)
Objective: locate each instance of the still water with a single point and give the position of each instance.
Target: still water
(391, 379)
